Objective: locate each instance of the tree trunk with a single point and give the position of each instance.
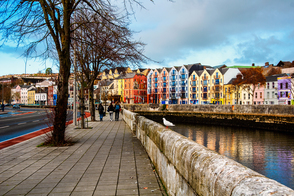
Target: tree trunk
(91, 104)
(82, 105)
(59, 124)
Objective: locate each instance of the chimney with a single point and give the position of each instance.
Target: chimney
(253, 64)
(204, 67)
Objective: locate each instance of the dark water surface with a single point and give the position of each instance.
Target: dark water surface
(266, 152)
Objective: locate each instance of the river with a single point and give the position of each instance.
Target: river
(267, 152)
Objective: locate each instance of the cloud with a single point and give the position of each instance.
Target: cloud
(173, 31)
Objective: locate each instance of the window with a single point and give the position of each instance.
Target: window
(281, 85)
(268, 85)
(249, 95)
(287, 94)
(255, 95)
(205, 82)
(273, 85)
(226, 90)
(272, 94)
(267, 95)
(194, 77)
(216, 74)
(286, 85)
(244, 95)
(260, 95)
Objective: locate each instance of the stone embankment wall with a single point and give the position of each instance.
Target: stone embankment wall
(267, 117)
(188, 168)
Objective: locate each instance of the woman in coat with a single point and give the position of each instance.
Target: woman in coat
(111, 110)
(100, 110)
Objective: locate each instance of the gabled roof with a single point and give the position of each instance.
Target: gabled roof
(231, 81)
(129, 75)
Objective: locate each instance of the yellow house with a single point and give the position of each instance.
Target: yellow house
(31, 97)
(121, 87)
(217, 87)
(205, 87)
(229, 94)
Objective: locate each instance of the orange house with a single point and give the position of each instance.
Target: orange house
(135, 88)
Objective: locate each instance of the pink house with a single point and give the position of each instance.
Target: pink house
(258, 97)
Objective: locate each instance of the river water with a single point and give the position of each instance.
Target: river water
(266, 152)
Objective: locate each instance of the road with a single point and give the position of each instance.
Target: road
(23, 121)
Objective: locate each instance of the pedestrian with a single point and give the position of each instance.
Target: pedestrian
(111, 110)
(2, 106)
(117, 110)
(100, 110)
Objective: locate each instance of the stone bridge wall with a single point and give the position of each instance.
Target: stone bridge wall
(188, 168)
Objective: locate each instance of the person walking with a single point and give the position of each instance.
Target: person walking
(111, 110)
(117, 110)
(2, 106)
(100, 110)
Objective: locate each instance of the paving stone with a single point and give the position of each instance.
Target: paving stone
(106, 160)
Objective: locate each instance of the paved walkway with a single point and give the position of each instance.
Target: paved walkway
(106, 160)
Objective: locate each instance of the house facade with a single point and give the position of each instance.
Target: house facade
(284, 90)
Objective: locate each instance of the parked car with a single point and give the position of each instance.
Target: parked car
(8, 104)
(16, 106)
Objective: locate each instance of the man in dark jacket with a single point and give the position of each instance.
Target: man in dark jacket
(100, 110)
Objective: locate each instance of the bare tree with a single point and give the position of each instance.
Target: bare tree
(104, 43)
(48, 22)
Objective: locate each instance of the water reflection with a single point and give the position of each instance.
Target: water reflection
(269, 153)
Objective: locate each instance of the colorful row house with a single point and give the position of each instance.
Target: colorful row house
(188, 84)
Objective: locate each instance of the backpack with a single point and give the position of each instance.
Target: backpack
(117, 107)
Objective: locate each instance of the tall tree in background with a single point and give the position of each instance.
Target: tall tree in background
(48, 22)
(237, 83)
(104, 43)
(250, 79)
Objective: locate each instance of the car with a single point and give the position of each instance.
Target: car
(8, 104)
(16, 106)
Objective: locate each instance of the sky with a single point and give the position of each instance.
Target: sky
(210, 32)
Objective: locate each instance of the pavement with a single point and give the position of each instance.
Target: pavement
(107, 159)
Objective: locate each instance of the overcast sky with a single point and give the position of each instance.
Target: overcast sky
(210, 32)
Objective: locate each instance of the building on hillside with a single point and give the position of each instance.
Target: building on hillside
(285, 90)
(24, 93)
(41, 97)
(31, 96)
(16, 94)
(52, 95)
